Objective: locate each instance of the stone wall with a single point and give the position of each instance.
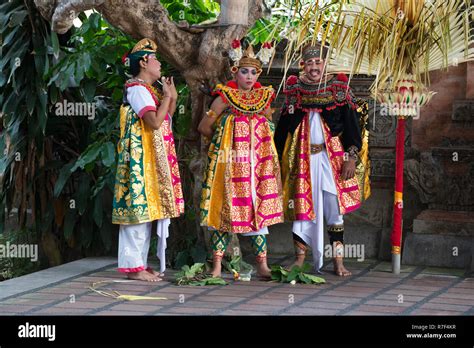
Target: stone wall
(441, 170)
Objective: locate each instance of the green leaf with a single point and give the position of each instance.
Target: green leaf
(65, 81)
(117, 95)
(88, 156)
(314, 279)
(64, 175)
(95, 19)
(17, 50)
(108, 154)
(88, 89)
(55, 43)
(304, 279)
(215, 281)
(98, 187)
(197, 268)
(53, 94)
(306, 268)
(10, 36)
(17, 18)
(293, 274)
(11, 104)
(235, 263)
(3, 79)
(281, 275)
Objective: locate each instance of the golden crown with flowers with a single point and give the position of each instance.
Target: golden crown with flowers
(248, 58)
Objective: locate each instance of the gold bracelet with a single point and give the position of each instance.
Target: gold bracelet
(211, 113)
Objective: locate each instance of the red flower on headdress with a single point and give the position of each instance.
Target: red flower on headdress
(267, 45)
(124, 57)
(236, 43)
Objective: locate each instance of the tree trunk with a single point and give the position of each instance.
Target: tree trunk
(234, 12)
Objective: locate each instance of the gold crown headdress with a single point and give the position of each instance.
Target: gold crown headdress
(248, 57)
(141, 50)
(314, 51)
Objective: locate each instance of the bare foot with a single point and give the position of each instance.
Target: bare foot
(263, 271)
(299, 261)
(155, 273)
(143, 275)
(216, 270)
(339, 268)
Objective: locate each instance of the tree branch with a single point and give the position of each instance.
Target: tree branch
(137, 18)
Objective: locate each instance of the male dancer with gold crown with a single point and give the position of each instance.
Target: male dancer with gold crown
(318, 139)
(147, 184)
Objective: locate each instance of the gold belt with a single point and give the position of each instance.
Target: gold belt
(316, 148)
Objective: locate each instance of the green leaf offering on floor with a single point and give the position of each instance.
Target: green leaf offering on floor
(196, 276)
(295, 275)
(237, 264)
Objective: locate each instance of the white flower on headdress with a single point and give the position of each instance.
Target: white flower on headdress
(236, 52)
(265, 53)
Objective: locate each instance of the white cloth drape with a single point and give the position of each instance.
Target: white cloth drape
(324, 197)
(134, 244)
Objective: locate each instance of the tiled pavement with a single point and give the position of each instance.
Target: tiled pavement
(372, 290)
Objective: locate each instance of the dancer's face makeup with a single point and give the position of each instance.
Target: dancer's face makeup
(246, 77)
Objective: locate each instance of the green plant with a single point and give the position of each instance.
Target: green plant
(196, 276)
(191, 11)
(237, 264)
(27, 152)
(58, 170)
(295, 275)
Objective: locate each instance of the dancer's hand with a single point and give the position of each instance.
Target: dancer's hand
(348, 169)
(174, 93)
(166, 87)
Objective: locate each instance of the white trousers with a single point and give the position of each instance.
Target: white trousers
(325, 204)
(134, 244)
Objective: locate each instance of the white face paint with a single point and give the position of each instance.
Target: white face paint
(246, 77)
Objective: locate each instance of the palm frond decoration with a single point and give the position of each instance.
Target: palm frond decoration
(394, 40)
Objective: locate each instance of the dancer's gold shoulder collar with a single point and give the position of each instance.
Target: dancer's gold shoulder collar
(241, 102)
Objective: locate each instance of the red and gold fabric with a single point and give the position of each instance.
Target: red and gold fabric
(293, 142)
(242, 131)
